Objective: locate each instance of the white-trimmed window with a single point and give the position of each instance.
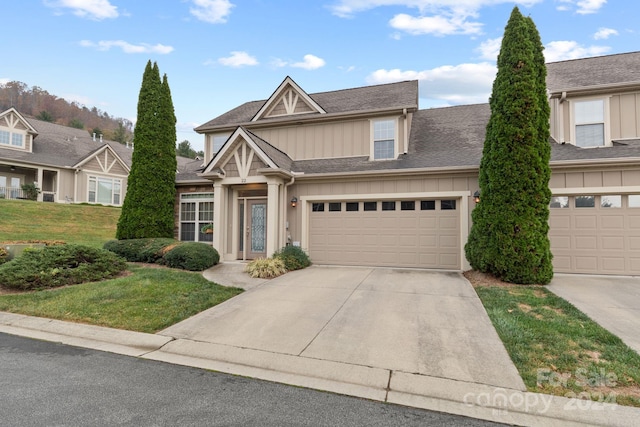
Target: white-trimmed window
(383, 144)
(217, 141)
(196, 211)
(589, 123)
(12, 139)
(104, 190)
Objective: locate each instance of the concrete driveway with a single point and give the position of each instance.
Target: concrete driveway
(410, 321)
(611, 301)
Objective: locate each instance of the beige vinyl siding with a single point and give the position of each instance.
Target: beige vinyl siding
(326, 140)
(595, 178)
(623, 119)
(625, 115)
(65, 186)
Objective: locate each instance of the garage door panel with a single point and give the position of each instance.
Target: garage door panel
(597, 240)
(403, 238)
(586, 222)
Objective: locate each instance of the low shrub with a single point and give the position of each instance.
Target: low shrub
(4, 255)
(193, 256)
(294, 257)
(59, 265)
(266, 268)
(141, 250)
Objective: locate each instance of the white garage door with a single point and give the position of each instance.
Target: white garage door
(595, 234)
(407, 233)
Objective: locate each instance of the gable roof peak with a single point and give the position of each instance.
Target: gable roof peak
(290, 97)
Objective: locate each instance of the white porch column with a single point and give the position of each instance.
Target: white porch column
(218, 218)
(39, 184)
(273, 219)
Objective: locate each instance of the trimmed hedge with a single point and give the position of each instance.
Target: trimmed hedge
(141, 250)
(193, 256)
(293, 257)
(60, 265)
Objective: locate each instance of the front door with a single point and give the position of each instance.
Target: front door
(254, 237)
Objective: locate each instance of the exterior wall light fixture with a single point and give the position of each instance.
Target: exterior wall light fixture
(294, 202)
(476, 196)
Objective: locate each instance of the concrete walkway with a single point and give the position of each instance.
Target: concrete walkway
(611, 301)
(408, 337)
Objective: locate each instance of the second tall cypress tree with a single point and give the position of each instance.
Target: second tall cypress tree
(509, 233)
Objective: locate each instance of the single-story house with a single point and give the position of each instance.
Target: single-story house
(363, 176)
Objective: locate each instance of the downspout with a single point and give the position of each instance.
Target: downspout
(406, 129)
(285, 230)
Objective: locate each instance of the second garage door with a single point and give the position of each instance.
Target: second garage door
(394, 233)
(595, 234)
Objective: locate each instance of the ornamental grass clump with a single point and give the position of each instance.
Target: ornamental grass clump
(266, 268)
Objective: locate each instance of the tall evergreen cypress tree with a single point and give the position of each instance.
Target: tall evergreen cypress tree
(509, 233)
(148, 207)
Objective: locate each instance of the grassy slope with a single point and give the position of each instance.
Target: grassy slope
(81, 224)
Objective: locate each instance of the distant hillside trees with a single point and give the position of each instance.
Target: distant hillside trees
(184, 149)
(40, 104)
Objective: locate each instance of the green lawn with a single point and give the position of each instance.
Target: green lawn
(81, 224)
(148, 299)
(558, 350)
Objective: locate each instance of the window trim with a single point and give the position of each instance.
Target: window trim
(372, 140)
(12, 133)
(95, 178)
(606, 121)
(196, 198)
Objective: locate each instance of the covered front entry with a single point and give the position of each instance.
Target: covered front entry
(418, 232)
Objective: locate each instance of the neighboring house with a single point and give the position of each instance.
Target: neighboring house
(364, 177)
(67, 164)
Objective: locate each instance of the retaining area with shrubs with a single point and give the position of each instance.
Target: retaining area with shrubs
(59, 265)
(192, 256)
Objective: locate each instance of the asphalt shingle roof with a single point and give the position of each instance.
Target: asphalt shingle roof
(387, 96)
(62, 146)
(595, 71)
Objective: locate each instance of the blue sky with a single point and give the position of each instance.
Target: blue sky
(218, 54)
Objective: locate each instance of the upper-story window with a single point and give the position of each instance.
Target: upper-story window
(589, 123)
(217, 141)
(12, 139)
(384, 139)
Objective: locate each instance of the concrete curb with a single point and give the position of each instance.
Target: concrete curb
(408, 389)
(88, 336)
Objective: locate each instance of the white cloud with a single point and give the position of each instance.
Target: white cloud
(126, 47)
(489, 49)
(565, 49)
(604, 33)
(310, 62)
(348, 8)
(437, 25)
(582, 7)
(449, 84)
(92, 9)
(4, 81)
(238, 59)
(212, 11)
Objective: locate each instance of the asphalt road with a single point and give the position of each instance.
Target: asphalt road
(50, 384)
